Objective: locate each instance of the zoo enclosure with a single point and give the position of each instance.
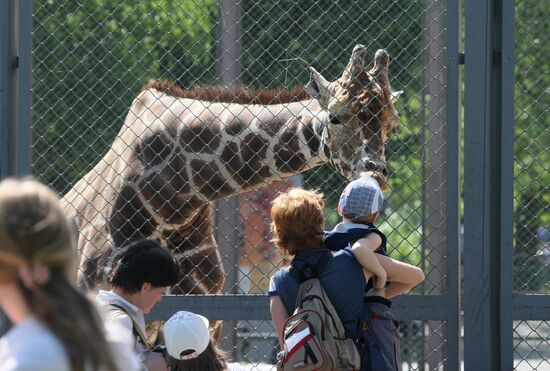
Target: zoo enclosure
(89, 57)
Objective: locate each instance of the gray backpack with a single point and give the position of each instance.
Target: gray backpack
(314, 337)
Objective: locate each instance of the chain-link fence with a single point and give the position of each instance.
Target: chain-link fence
(92, 57)
(531, 264)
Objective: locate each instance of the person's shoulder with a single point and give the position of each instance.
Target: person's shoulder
(113, 314)
(121, 343)
(277, 280)
(31, 346)
(344, 234)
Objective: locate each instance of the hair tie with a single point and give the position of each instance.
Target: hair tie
(34, 275)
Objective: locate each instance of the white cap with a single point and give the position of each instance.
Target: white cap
(186, 335)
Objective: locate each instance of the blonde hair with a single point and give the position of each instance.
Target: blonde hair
(34, 233)
(297, 220)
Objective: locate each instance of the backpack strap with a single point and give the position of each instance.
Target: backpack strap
(136, 331)
(310, 270)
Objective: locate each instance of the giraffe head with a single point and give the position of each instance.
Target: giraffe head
(361, 115)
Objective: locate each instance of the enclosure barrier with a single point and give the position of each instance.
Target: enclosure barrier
(90, 59)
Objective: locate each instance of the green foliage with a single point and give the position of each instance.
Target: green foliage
(532, 138)
(91, 59)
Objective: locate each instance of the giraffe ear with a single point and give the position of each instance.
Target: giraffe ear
(317, 84)
(395, 95)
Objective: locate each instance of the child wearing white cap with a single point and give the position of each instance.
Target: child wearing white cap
(189, 346)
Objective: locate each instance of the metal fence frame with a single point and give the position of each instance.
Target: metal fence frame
(444, 307)
(15, 87)
(490, 307)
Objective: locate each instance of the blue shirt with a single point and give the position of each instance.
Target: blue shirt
(345, 234)
(342, 280)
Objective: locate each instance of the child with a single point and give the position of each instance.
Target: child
(359, 206)
(189, 345)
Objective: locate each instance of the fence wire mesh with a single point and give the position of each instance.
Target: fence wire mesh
(92, 57)
(531, 270)
(532, 156)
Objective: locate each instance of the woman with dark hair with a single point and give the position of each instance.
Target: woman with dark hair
(55, 326)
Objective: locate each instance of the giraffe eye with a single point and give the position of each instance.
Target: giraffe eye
(335, 120)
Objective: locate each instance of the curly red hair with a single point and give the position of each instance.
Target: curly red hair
(297, 220)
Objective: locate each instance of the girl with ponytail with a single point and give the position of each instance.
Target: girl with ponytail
(55, 326)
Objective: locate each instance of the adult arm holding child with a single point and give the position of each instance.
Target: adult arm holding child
(402, 277)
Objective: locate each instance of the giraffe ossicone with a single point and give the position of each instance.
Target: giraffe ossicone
(175, 155)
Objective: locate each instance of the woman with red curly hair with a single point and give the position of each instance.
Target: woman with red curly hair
(297, 229)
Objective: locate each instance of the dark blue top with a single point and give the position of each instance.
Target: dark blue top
(342, 280)
(344, 234)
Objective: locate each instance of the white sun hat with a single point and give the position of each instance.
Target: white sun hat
(186, 335)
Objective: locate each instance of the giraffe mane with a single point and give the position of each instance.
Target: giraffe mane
(237, 94)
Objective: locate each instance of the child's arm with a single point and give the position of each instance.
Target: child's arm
(363, 250)
(401, 276)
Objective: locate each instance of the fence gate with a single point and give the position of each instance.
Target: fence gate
(90, 59)
(506, 180)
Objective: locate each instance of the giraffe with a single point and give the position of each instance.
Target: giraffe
(178, 151)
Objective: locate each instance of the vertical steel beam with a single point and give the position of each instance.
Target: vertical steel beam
(506, 40)
(434, 185)
(226, 215)
(479, 293)
(452, 181)
(488, 178)
(7, 71)
(15, 87)
(23, 155)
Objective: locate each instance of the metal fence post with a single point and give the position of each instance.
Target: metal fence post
(453, 137)
(15, 87)
(506, 41)
(488, 178)
(227, 216)
(433, 177)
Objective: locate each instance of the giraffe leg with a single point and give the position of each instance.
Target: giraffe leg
(212, 275)
(200, 263)
(202, 273)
